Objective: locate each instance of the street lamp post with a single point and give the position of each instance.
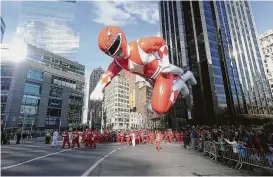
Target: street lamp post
(60, 122)
(101, 118)
(23, 124)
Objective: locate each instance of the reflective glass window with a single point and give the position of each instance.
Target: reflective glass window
(6, 70)
(29, 120)
(35, 75)
(32, 88)
(29, 110)
(220, 89)
(54, 112)
(31, 100)
(56, 92)
(5, 83)
(52, 121)
(55, 103)
(4, 97)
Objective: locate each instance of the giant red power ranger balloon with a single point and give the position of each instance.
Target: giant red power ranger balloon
(148, 58)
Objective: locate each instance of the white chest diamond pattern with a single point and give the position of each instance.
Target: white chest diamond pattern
(134, 67)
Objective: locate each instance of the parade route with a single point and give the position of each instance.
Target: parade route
(108, 160)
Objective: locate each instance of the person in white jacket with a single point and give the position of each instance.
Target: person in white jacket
(134, 139)
(234, 145)
(55, 139)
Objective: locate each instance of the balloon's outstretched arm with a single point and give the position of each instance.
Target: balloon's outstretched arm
(106, 78)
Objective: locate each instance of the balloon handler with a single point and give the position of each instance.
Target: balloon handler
(148, 58)
(47, 138)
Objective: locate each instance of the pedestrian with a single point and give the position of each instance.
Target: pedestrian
(55, 139)
(18, 137)
(186, 139)
(47, 138)
(193, 138)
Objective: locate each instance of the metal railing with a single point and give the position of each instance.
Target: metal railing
(239, 154)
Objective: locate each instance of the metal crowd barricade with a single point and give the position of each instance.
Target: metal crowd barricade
(231, 153)
(240, 155)
(210, 148)
(254, 157)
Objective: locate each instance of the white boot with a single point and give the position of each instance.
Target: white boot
(188, 76)
(181, 86)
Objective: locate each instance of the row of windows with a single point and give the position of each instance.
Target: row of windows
(5, 83)
(221, 100)
(32, 88)
(29, 120)
(55, 103)
(220, 89)
(63, 82)
(54, 112)
(31, 100)
(35, 75)
(6, 70)
(56, 92)
(52, 121)
(4, 97)
(75, 96)
(217, 71)
(29, 110)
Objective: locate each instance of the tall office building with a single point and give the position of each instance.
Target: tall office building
(95, 108)
(136, 121)
(217, 40)
(40, 90)
(51, 26)
(3, 28)
(266, 41)
(132, 81)
(144, 95)
(116, 104)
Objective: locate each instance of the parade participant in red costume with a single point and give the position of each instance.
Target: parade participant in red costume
(152, 138)
(93, 140)
(122, 138)
(75, 138)
(142, 137)
(158, 139)
(148, 58)
(118, 137)
(178, 137)
(128, 139)
(137, 138)
(87, 138)
(65, 139)
(171, 137)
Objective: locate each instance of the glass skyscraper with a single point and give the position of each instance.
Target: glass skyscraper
(217, 40)
(51, 26)
(3, 27)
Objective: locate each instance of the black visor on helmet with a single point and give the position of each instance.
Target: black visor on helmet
(111, 51)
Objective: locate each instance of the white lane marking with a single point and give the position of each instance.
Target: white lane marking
(4, 168)
(22, 147)
(96, 164)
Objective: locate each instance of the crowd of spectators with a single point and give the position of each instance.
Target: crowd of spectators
(250, 142)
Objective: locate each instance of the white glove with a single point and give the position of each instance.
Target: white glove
(96, 95)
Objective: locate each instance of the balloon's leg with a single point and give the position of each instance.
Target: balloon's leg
(176, 70)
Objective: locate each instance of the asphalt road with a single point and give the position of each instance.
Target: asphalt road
(36, 159)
